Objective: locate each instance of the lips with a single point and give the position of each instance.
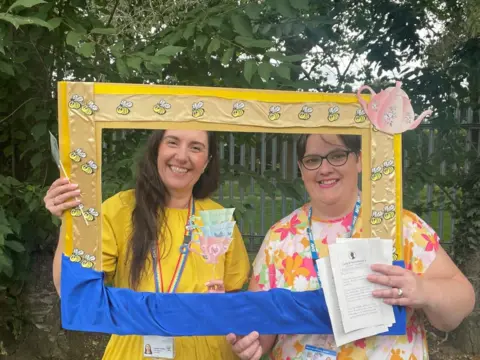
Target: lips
(178, 169)
(328, 183)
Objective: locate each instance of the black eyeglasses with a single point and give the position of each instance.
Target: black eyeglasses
(335, 158)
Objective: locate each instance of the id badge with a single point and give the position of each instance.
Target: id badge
(158, 347)
(314, 353)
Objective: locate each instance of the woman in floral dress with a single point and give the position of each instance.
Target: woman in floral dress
(330, 166)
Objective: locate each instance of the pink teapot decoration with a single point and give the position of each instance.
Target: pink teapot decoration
(390, 110)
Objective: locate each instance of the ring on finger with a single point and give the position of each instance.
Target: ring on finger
(399, 292)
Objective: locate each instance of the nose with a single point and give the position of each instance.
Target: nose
(182, 154)
(326, 168)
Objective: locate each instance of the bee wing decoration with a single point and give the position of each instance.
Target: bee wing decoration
(162, 102)
(277, 109)
(78, 98)
(240, 105)
(309, 110)
(200, 104)
(92, 258)
(93, 212)
(272, 109)
(167, 106)
(335, 109)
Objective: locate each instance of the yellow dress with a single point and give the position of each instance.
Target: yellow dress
(234, 266)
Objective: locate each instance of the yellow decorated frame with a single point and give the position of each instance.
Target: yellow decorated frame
(85, 109)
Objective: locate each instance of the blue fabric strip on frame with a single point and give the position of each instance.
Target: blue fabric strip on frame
(88, 305)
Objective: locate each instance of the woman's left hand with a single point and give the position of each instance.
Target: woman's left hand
(215, 286)
(406, 288)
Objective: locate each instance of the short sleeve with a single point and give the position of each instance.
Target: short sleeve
(421, 243)
(109, 245)
(237, 264)
(262, 269)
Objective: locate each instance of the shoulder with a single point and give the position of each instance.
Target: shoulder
(290, 225)
(413, 222)
(418, 236)
(119, 204)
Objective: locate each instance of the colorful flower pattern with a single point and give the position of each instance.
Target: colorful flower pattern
(285, 261)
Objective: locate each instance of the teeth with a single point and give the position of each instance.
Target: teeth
(328, 182)
(178, 170)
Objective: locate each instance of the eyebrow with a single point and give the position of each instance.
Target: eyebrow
(333, 150)
(191, 143)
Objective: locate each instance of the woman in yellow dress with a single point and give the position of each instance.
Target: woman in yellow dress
(143, 230)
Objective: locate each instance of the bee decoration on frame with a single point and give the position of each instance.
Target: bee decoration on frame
(124, 107)
(90, 167)
(77, 155)
(89, 108)
(75, 102)
(306, 113)
(274, 113)
(238, 109)
(198, 110)
(161, 107)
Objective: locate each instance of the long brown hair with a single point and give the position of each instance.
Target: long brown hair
(151, 196)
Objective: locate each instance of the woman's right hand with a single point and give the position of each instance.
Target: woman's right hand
(56, 199)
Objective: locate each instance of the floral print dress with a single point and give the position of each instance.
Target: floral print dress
(285, 261)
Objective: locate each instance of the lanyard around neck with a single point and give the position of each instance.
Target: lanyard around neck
(182, 258)
(313, 247)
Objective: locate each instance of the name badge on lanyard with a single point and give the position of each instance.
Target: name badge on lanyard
(161, 346)
(315, 353)
(158, 347)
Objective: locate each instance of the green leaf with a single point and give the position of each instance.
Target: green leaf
(264, 70)
(215, 21)
(249, 69)
(86, 49)
(159, 60)
(300, 4)
(5, 230)
(15, 246)
(25, 4)
(73, 38)
(253, 11)
(135, 62)
(122, 68)
(265, 29)
(55, 22)
(283, 70)
(103, 31)
(117, 49)
(2, 241)
(39, 130)
(241, 25)
(250, 42)
(213, 46)
(189, 31)
(18, 21)
(19, 135)
(6, 68)
(284, 8)
(227, 55)
(169, 50)
(201, 40)
(36, 159)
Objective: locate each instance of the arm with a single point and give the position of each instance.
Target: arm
(446, 309)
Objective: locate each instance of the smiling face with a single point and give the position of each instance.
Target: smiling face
(182, 158)
(331, 188)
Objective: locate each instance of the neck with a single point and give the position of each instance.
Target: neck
(179, 200)
(334, 211)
